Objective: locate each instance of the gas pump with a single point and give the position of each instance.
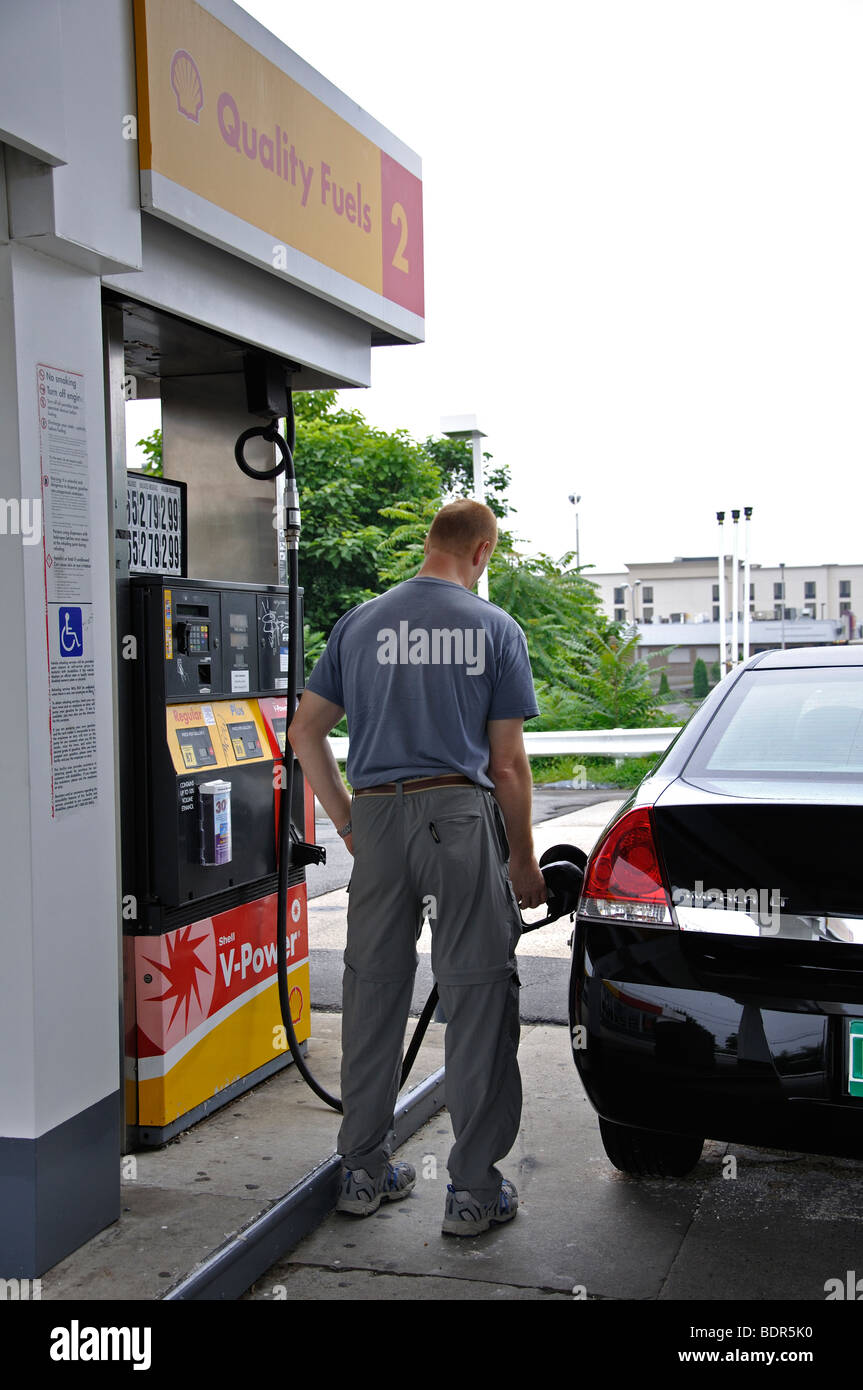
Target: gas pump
(204, 703)
(209, 716)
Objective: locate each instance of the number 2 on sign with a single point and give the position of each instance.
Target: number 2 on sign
(399, 218)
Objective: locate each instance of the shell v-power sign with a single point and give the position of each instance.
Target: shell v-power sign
(244, 144)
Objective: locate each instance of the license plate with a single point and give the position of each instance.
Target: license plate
(855, 1057)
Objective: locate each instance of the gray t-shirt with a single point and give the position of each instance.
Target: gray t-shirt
(419, 671)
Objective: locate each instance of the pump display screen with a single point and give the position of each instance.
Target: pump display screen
(156, 522)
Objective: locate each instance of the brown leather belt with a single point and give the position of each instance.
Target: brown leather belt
(416, 784)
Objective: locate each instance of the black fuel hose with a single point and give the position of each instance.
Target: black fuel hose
(285, 854)
(285, 448)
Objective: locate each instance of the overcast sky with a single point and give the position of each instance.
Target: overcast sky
(644, 256)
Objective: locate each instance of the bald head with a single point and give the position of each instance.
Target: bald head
(461, 527)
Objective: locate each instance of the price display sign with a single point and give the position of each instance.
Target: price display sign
(156, 522)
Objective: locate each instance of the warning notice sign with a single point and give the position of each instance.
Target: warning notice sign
(68, 588)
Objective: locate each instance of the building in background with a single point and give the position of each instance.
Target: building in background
(676, 604)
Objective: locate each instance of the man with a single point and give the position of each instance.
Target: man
(436, 684)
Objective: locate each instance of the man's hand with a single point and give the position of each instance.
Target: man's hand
(527, 881)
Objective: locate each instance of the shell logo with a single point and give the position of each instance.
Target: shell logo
(175, 984)
(295, 1001)
(186, 84)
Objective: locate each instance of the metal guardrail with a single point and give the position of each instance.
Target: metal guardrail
(612, 743)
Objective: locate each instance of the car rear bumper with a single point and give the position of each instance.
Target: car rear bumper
(743, 1040)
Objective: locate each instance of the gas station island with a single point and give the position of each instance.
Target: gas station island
(187, 211)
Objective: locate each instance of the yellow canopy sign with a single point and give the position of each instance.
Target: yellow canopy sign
(255, 151)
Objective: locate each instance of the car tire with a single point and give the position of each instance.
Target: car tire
(648, 1153)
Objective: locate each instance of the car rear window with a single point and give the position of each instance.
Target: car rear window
(781, 724)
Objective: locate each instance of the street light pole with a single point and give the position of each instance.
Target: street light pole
(782, 587)
(575, 498)
(735, 591)
(720, 517)
(747, 513)
(465, 427)
(632, 588)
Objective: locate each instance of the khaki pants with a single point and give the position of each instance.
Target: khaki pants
(440, 852)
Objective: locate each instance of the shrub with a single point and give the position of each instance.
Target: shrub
(700, 686)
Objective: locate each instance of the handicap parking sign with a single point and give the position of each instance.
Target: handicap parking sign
(71, 622)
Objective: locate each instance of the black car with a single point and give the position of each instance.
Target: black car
(716, 988)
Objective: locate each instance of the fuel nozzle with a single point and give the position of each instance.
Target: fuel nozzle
(292, 513)
(562, 867)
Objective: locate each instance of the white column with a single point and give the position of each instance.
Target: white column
(747, 513)
(466, 427)
(735, 592)
(479, 496)
(60, 1080)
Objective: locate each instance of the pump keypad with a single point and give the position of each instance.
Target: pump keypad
(193, 639)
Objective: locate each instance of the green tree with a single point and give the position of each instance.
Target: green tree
(715, 673)
(349, 474)
(314, 642)
(152, 447)
(700, 686)
(663, 685)
(454, 458)
(553, 604)
(614, 687)
(560, 708)
(402, 550)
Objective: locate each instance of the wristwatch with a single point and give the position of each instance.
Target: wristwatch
(345, 830)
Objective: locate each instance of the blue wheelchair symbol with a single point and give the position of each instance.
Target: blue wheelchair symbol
(71, 622)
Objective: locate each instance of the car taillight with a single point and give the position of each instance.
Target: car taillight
(624, 879)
